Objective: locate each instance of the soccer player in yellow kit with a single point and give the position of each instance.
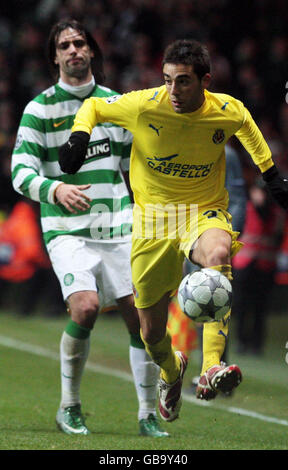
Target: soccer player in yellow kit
(178, 161)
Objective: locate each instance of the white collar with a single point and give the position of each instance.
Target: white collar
(81, 90)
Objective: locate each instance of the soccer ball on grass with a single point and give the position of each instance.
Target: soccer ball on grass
(205, 295)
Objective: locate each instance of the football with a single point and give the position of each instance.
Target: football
(205, 295)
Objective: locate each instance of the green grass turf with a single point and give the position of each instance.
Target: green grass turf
(30, 393)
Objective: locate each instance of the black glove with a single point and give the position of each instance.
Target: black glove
(73, 153)
(277, 186)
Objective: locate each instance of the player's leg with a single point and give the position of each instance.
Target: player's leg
(153, 321)
(75, 267)
(213, 250)
(156, 272)
(157, 340)
(145, 372)
(74, 350)
(74, 347)
(115, 284)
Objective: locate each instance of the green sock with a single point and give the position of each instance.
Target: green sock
(136, 341)
(77, 331)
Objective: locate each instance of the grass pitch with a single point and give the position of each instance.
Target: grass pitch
(254, 418)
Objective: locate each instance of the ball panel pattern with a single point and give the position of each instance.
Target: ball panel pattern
(205, 295)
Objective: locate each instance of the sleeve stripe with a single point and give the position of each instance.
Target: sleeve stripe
(26, 184)
(20, 175)
(31, 148)
(33, 186)
(44, 190)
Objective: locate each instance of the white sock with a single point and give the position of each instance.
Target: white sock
(73, 356)
(146, 375)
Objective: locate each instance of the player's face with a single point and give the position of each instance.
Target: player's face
(73, 55)
(185, 90)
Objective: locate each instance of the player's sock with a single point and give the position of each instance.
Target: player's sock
(215, 334)
(74, 350)
(164, 356)
(146, 375)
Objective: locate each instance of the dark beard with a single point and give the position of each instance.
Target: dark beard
(79, 72)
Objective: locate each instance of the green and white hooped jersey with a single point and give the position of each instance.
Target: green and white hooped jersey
(45, 125)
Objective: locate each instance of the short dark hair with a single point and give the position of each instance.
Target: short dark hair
(96, 61)
(188, 52)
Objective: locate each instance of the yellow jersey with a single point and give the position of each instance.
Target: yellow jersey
(177, 158)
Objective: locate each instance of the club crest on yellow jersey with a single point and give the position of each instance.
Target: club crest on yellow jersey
(218, 136)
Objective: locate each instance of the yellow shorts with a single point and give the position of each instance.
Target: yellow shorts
(157, 263)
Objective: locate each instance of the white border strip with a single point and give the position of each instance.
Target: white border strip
(39, 351)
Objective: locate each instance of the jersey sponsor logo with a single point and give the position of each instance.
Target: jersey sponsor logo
(58, 124)
(218, 136)
(166, 166)
(101, 148)
(112, 99)
(156, 129)
(163, 159)
(154, 97)
(224, 105)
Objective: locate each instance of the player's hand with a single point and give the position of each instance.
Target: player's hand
(72, 197)
(277, 186)
(73, 153)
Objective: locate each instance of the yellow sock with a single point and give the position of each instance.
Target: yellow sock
(215, 333)
(164, 356)
(225, 269)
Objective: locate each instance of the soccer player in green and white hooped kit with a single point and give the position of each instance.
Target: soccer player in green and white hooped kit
(86, 218)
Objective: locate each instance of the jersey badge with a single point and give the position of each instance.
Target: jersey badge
(112, 99)
(68, 279)
(135, 293)
(218, 136)
(19, 141)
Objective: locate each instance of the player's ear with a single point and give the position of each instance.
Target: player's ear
(206, 80)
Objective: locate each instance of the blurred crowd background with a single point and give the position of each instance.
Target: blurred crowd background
(247, 41)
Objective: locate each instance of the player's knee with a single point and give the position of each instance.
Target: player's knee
(84, 309)
(219, 254)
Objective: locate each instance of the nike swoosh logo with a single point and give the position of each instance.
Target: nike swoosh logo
(57, 124)
(146, 386)
(67, 376)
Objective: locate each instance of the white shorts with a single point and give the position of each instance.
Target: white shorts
(83, 265)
